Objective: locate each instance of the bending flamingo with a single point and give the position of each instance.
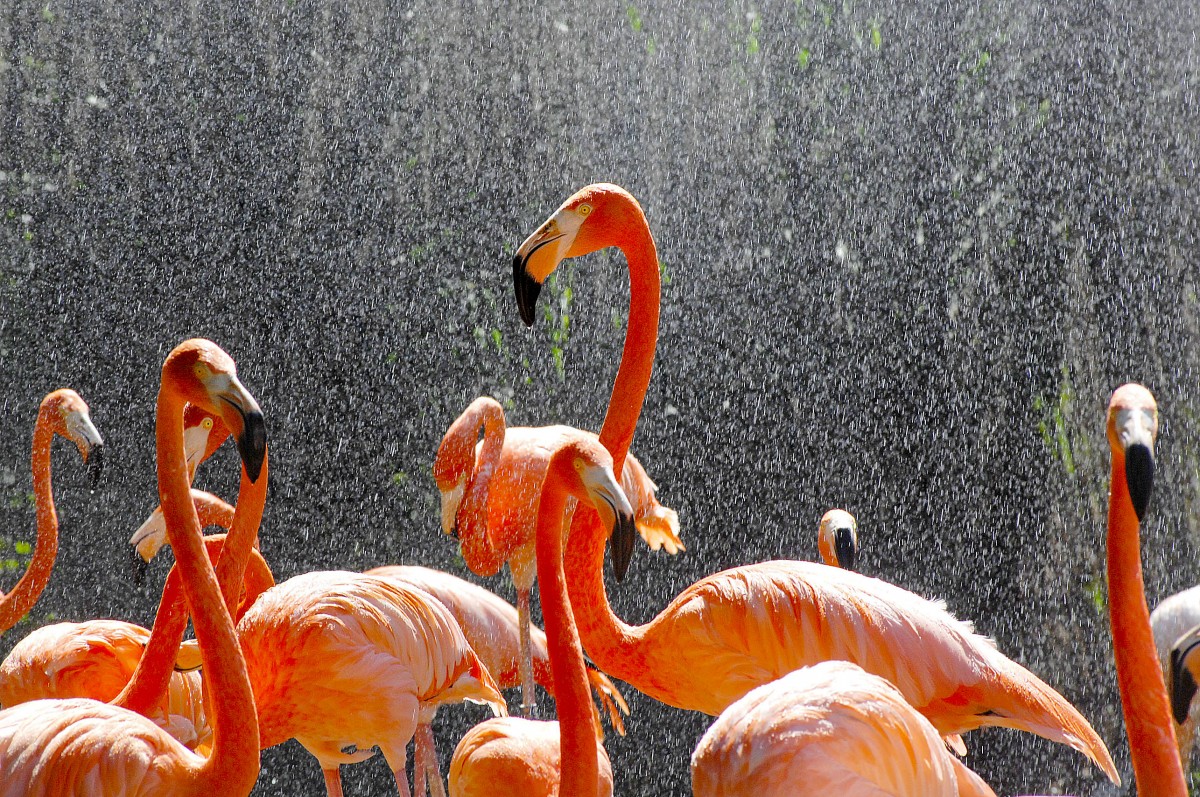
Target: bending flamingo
(526, 757)
(82, 746)
(490, 625)
(741, 628)
(1132, 429)
(62, 413)
(487, 493)
(837, 539)
(831, 728)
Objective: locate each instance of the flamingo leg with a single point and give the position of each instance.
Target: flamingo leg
(427, 749)
(333, 781)
(420, 763)
(401, 781)
(525, 660)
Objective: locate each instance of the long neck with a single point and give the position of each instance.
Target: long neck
(24, 595)
(234, 763)
(578, 756)
(477, 550)
(243, 532)
(1152, 745)
(641, 339)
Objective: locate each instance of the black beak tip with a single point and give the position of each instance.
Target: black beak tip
(1139, 474)
(620, 545)
(847, 551)
(252, 444)
(526, 289)
(140, 568)
(1182, 687)
(95, 465)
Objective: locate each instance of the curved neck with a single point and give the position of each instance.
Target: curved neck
(234, 763)
(1152, 745)
(641, 339)
(477, 549)
(25, 594)
(577, 746)
(243, 533)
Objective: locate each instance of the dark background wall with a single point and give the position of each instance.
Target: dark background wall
(908, 251)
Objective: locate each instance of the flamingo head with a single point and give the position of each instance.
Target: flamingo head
(1132, 430)
(590, 479)
(74, 422)
(204, 375)
(1184, 666)
(837, 539)
(203, 434)
(451, 468)
(593, 218)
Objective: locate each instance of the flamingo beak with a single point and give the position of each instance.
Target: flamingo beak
(610, 502)
(846, 547)
(82, 432)
(150, 537)
(242, 416)
(1182, 684)
(539, 255)
(140, 568)
(1135, 429)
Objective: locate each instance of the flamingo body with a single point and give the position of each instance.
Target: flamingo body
(514, 757)
(323, 642)
(831, 728)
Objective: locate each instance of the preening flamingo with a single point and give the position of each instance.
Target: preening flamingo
(62, 413)
(741, 628)
(488, 490)
(81, 746)
(1173, 617)
(526, 757)
(837, 539)
(1132, 429)
(490, 625)
(831, 728)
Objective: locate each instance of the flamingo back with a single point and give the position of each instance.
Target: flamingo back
(322, 642)
(57, 748)
(514, 757)
(823, 728)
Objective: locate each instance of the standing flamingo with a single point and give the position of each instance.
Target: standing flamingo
(81, 746)
(1132, 429)
(1173, 617)
(831, 728)
(744, 627)
(526, 757)
(837, 539)
(488, 490)
(62, 413)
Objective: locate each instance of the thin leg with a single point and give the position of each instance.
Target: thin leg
(419, 764)
(426, 749)
(333, 781)
(402, 782)
(525, 663)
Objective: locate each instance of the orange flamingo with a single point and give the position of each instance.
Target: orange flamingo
(1132, 429)
(82, 746)
(741, 628)
(487, 493)
(490, 625)
(831, 728)
(62, 413)
(837, 539)
(526, 757)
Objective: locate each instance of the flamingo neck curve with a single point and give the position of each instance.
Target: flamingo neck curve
(478, 551)
(24, 595)
(1152, 746)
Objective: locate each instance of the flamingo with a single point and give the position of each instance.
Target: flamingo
(1174, 616)
(62, 413)
(1132, 429)
(747, 626)
(517, 756)
(837, 539)
(490, 625)
(831, 728)
(487, 490)
(81, 746)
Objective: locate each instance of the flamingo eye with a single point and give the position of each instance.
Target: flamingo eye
(207, 423)
(583, 210)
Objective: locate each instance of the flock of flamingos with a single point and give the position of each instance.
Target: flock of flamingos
(820, 678)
